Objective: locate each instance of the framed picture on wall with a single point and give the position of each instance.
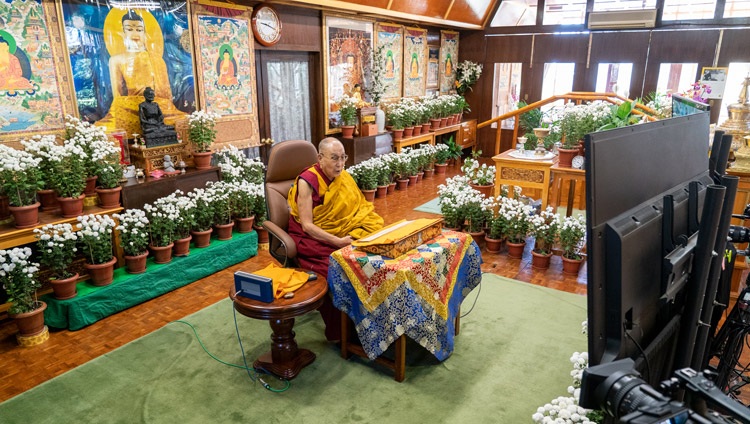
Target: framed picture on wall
(225, 58)
(390, 44)
(116, 53)
(448, 60)
(433, 65)
(347, 52)
(716, 80)
(415, 60)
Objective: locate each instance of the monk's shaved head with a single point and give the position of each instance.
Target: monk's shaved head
(327, 144)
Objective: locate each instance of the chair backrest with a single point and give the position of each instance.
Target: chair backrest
(285, 162)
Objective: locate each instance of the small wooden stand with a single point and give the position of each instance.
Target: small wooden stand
(152, 158)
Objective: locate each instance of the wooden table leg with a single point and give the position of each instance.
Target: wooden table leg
(344, 335)
(400, 359)
(285, 359)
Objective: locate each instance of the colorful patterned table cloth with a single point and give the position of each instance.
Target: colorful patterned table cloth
(418, 294)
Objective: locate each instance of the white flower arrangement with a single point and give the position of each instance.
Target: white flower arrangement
(203, 216)
(572, 236)
(68, 169)
(236, 166)
(515, 218)
(367, 173)
(95, 233)
(221, 202)
(163, 217)
(347, 110)
(458, 200)
(40, 147)
(20, 175)
(201, 129)
(478, 175)
(56, 244)
(467, 74)
(578, 120)
(133, 231)
(18, 275)
(545, 227)
(94, 141)
(245, 197)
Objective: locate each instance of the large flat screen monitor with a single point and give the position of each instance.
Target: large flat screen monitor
(628, 172)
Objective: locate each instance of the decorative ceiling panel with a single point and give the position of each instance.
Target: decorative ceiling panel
(429, 8)
(470, 11)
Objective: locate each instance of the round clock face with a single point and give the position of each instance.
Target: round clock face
(266, 25)
(578, 162)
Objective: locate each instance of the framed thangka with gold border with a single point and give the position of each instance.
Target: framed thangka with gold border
(116, 53)
(226, 70)
(415, 60)
(347, 45)
(448, 60)
(35, 93)
(389, 39)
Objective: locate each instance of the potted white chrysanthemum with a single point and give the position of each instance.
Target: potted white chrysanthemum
(40, 147)
(133, 230)
(96, 235)
(221, 204)
(162, 218)
(572, 234)
(236, 166)
(56, 245)
(68, 178)
(544, 227)
(245, 195)
(21, 177)
(203, 217)
(18, 277)
(202, 134)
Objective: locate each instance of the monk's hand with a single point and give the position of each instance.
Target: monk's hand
(345, 241)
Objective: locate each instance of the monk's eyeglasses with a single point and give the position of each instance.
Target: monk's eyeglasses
(336, 158)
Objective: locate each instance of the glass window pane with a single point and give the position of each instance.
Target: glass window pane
(507, 86)
(289, 95)
(688, 9)
(558, 79)
(515, 13)
(614, 78)
(605, 5)
(735, 77)
(676, 77)
(737, 9)
(564, 12)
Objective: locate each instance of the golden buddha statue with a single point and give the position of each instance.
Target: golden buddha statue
(738, 126)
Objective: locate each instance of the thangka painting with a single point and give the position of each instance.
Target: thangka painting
(390, 41)
(448, 58)
(116, 53)
(33, 96)
(226, 64)
(348, 51)
(415, 60)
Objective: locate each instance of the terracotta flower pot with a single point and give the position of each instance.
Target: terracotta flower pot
(398, 135)
(262, 233)
(486, 190)
(71, 207)
(515, 250)
(565, 157)
(224, 231)
(244, 225)
(493, 245)
(101, 274)
(429, 173)
(48, 199)
(90, 189)
(347, 131)
(440, 168)
(402, 184)
(65, 288)
(478, 237)
(4, 207)
(369, 194)
(201, 238)
(540, 261)
(109, 198)
(136, 264)
(30, 323)
(417, 130)
(182, 246)
(408, 132)
(391, 187)
(25, 216)
(443, 122)
(420, 174)
(571, 266)
(412, 180)
(162, 254)
(434, 124)
(381, 191)
(202, 160)
(425, 128)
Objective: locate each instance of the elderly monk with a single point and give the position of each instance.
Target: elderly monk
(328, 212)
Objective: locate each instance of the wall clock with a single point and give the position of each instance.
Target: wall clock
(266, 25)
(578, 162)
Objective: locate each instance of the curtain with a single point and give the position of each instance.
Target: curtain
(289, 100)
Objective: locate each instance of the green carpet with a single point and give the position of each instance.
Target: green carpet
(511, 357)
(433, 206)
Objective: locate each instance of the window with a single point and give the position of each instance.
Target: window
(605, 5)
(737, 9)
(564, 12)
(735, 77)
(507, 86)
(675, 10)
(558, 79)
(515, 13)
(676, 77)
(614, 78)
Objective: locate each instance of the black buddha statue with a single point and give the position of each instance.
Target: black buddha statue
(155, 131)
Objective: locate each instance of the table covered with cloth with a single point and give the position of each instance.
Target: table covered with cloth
(418, 294)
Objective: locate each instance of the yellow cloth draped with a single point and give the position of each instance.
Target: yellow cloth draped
(405, 229)
(285, 280)
(344, 210)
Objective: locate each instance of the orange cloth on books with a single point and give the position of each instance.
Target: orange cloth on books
(285, 280)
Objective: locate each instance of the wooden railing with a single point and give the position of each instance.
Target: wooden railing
(575, 96)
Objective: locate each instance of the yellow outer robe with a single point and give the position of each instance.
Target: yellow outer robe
(344, 210)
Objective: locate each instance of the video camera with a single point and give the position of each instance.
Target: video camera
(617, 389)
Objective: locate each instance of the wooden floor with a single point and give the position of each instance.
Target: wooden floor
(23, 368)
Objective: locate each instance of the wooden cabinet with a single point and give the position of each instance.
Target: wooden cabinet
(467, 135)
(138, 192)
(741, 199)
(360, 149)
